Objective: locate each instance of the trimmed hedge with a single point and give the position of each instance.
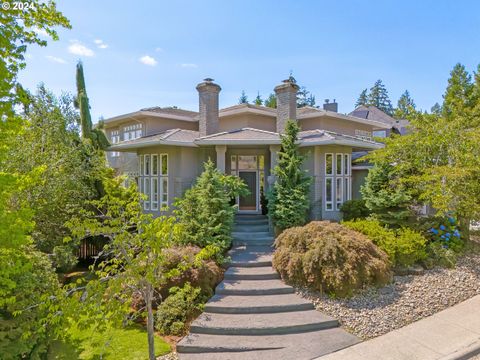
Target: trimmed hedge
(330, 258)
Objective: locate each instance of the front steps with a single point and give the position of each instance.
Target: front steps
(254, 315)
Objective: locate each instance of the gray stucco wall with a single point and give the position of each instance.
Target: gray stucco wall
(358, 179)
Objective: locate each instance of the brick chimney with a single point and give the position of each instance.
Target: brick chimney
(286, 94)
(208, 107)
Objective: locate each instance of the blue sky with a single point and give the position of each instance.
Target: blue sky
(153, 53)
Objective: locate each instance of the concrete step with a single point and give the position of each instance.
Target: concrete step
(301, 346)
(255, 256)
(252, 273)
(250, 228)
(240, 221)
(258, 242)
(251, 235)
(253, 287)
(262, 324)
(228, 304)
(251, 216)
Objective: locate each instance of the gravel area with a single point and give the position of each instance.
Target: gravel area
(374, 312)
(169, 356)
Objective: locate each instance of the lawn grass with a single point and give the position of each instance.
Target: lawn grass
(123, 344)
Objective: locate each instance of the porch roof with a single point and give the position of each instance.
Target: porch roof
(243, 136)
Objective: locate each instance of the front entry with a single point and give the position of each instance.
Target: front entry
(249, 202)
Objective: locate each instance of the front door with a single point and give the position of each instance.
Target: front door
(249, 202)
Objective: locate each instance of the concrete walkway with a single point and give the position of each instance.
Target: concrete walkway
(254, 315)
(450, 334)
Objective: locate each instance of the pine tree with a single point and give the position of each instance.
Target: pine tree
(243, 98)
(362, 98)
(458, 95)
(305, 98)
(378, 97)
(289, 199)
(96, 136)
(258, 100)
(271, 101)
(436, 109)
(405, 106)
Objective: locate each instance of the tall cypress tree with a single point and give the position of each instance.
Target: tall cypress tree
(378, 97)
(289, 199)
(96, 136)
(405, 106)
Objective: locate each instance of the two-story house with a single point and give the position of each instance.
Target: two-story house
(164, 148)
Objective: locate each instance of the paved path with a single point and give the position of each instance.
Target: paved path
(450, 334)
(254, 315)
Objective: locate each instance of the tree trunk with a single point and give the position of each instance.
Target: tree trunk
(464, 225)
(150, 329)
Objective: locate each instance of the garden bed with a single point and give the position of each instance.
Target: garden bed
(374, 312)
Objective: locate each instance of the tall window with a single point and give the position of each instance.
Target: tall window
(338, 180)
(132, 132)
(115, 139)
(154, 181)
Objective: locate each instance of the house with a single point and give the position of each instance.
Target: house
(164, 148)
(399, 126)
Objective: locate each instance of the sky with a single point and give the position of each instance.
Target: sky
(147, 53)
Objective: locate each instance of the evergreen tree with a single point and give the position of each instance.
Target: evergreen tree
(271, 101)
(258, 100)
(458, 95)
(289, 199)
(96, 136)
(243, 98)
(305, 98)
(436, 109)
(405, 106)
(362, 98)
(378, 97)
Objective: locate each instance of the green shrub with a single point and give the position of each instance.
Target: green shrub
(439, 255)
(205, 212)
(354, 209)
(179, 309)
(404, 246)
(330, 258)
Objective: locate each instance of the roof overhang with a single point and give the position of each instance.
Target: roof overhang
(344, 142)
(248, 110)
(324, 113)
(126, 147)
(143, 113)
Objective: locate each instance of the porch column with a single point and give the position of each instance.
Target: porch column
(221, 150)
(274, 149)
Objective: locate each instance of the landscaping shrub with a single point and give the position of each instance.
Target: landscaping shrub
(403, 246)
(330, 258)
(443, 230)
(439, 255)
(205, 212)
(179, 309)
(354, 209)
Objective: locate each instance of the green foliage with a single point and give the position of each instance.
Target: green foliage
(439, 255)
(128, 343)
(305, 98)
(20, 28)
(258, 100)
(354, 209)
(439, 162)
(378, 97)
(271, 101)
(405, 106)
(205, 212)
(362, 98)
(179, 309)
(96, 136)
(385, 196)
(289, 201)
(26, 281)
(66, 168)
(243, 98)
(330, 258)
(403, 246)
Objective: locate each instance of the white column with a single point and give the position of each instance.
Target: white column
(221, 150)
(274, 149)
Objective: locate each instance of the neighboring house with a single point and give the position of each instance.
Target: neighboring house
(400, 126)
(172, 144)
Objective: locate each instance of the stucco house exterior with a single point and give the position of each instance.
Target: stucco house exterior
(164, 149)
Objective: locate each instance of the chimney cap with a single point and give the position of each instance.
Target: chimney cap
(208, 84)
(208, 79)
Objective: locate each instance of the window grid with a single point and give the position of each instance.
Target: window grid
(154, 181)
(132, 132)
(338, 181)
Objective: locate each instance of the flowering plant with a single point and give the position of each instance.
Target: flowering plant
(446, 232)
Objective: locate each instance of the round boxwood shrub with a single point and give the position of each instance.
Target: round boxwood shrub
(330, 258)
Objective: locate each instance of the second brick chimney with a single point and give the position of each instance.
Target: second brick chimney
(208, 107)
(286, 103)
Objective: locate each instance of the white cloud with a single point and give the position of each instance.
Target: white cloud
(100, 44)
(148, 60)
(158, 49)
(77, 48)
(56, 59)
(192, 66)
(41, 32)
